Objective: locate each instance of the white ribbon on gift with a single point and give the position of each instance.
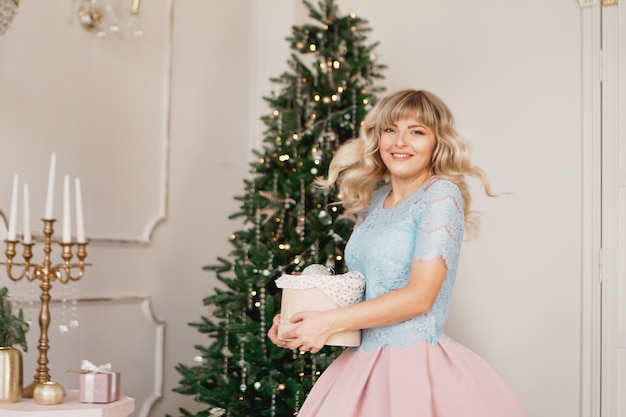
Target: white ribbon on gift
(91, 370)
(90, 367)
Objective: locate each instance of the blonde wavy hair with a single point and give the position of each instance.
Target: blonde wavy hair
(357, 168)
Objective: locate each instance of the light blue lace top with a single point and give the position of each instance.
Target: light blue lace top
(427, 225)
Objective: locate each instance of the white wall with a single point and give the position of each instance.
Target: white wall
(510, 71)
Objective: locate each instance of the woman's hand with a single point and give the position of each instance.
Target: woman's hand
(313, 329)
(273, 333)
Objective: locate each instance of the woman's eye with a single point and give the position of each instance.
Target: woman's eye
(388, 130)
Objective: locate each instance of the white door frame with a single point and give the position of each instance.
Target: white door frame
(591, 252)
(611, 182)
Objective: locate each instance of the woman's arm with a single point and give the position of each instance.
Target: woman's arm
(417, 297)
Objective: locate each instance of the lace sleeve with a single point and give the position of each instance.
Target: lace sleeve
(440, 223)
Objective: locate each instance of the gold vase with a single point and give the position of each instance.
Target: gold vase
(11, 375)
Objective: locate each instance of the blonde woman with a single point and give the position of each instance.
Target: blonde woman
(404, 179)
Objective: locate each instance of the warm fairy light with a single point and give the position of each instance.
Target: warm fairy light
(278, 138)
(336, 64)
(353, 15)
(253, 293)
(365, 101)
(334, 97)
(284, 157)
(294, 136)
(313, 116)
(334, 208)
(326, 100)
(261, 160)
(338, 257)
(340, 89)
(312, 47)
(276, 112)
(257, 304)
(316, 97)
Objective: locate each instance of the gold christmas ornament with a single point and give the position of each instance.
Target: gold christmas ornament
(48, 393)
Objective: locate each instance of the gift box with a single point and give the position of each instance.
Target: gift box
(98, 385)
(317, 289)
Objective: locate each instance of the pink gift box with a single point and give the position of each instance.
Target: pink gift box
(99, 387)
(316, 289)
(314, 299)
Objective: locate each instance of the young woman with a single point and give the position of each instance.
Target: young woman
(406, 242)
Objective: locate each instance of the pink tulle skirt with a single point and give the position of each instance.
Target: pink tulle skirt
(424, 380)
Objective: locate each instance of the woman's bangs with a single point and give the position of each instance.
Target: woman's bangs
(412, 107)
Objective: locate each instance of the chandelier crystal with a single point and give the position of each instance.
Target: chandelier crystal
(8, 11)
(107, 18)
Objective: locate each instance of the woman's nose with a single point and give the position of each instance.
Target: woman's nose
(401, 139)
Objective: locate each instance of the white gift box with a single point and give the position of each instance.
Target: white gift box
(316, 289)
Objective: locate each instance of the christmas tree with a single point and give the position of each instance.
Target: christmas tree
(288, 223)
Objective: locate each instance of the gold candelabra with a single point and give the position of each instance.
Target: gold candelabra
(46, 272)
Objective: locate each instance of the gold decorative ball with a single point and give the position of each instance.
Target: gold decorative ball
(48, 393)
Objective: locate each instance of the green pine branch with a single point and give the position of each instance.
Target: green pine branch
(13, 328)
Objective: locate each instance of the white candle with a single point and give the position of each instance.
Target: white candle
(13, 215)
(27, 236)
(67, 228)
(80, 225)
(50, 196)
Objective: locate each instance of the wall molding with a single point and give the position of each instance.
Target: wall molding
(104, 108)
(162, 210)
(143, 303)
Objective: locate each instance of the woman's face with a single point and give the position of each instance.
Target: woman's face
(406, 148)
